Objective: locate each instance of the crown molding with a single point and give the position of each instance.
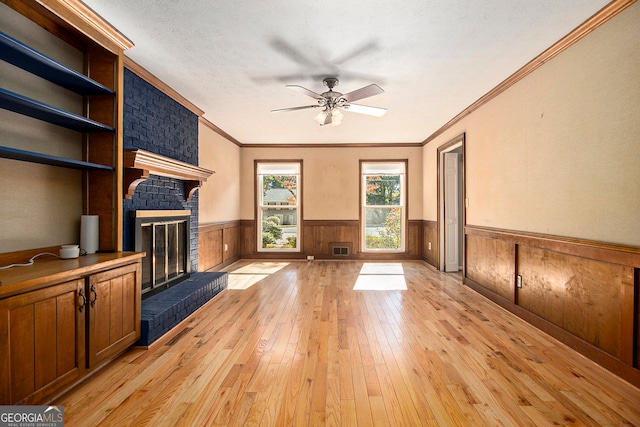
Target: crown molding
(344, 145)
(84, 19)
(220, 132)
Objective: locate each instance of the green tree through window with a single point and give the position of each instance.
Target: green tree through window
(278, 209)
(383, 206)
(383, 189)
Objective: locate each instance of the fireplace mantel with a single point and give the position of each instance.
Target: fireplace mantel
(139, 164)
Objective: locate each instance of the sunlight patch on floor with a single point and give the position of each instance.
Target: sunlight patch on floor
(380, 276)
(380, 282)
(244, 281)
(385, 268)
(249, 275)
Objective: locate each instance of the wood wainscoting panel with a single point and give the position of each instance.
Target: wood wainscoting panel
(248, 238)
(230, 239)
(580, 295)
(584, 293)
(414, 238)
(319, 237)
(218, 244)
(491, 264)
(430, 251)
(210, 247)
(634, 335)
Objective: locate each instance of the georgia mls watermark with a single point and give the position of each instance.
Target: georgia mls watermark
(32, 416)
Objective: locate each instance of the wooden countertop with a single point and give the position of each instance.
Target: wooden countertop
(49, 270)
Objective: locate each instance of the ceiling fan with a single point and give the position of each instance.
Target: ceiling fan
(331, 102)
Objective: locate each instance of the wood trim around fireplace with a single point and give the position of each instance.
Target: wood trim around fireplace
(139, 164)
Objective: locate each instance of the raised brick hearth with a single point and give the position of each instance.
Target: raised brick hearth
(161, 312)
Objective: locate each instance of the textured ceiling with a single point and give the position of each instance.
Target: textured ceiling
(232, 59)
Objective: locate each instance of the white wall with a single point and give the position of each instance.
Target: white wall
(219, 196)
(558, 152)
(331, 178)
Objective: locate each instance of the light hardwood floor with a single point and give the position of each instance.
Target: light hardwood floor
(294, 344)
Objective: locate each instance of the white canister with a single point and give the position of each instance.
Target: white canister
(89, 233)
(69, 251)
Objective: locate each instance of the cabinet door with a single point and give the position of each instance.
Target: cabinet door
(114, 312)
(42, 342)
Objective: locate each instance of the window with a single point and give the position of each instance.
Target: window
(383, 215)
(278, 201)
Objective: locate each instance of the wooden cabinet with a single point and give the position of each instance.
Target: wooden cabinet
(62, 319)
(114, 312)
(42, 342)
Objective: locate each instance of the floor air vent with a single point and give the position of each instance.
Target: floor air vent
(341, 251)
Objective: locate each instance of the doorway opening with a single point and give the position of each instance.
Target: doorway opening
(451, 204)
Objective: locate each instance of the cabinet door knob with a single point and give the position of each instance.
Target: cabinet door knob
(82, 300)
(94, 295)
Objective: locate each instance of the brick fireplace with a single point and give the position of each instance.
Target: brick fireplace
(161, 206)
(157, 124)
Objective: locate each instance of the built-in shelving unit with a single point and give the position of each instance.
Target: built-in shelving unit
(30, 107)
(45, 159)
(22, 56)
(99, 84)
(28, 59)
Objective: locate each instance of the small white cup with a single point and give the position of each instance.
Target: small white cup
(69, 251)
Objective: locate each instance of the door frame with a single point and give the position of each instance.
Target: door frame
(453, 144)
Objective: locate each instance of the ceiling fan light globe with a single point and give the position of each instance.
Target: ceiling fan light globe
(336, 117)
(322, 118)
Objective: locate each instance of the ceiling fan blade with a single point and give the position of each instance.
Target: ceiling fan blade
(363, 92)
(307, 92)
(294, 108)
(365, 109)
(291, 52)
(358, 51)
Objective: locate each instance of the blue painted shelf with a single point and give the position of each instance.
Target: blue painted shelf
(30, 107)
(45, 159)
(22, 56)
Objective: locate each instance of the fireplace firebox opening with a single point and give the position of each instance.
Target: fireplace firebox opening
(164, 237)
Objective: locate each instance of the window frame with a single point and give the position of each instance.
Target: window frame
(369, 167)
(276, 165)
